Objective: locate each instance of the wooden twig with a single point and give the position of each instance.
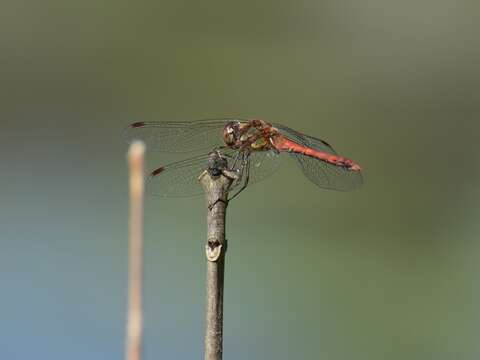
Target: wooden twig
(133, 346)
(216, 183)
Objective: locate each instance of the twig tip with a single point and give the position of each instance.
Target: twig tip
(136, 150)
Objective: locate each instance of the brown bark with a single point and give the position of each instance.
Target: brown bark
(216, 191)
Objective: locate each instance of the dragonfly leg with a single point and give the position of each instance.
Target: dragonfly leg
(237, 156)
(245, 167)
(217, 163)
(210, 207)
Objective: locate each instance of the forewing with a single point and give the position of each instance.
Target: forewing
(170, 136)
(328, 176)
(306, 140)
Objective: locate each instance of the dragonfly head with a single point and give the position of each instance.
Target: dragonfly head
(231, 133)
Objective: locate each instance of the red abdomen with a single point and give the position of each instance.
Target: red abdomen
(281, 143)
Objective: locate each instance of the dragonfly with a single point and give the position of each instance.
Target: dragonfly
(253, 149)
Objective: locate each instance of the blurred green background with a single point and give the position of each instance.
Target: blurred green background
(387, 272)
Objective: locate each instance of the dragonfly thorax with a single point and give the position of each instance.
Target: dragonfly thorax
(250, 135)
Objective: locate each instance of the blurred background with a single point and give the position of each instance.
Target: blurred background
(387, 272)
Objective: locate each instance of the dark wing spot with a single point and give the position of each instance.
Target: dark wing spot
(157, 171)
(137, 124)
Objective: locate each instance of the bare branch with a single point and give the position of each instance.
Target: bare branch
(133, 344)
(216, 183)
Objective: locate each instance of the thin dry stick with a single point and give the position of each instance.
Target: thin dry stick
(216, 191)
(133, 348)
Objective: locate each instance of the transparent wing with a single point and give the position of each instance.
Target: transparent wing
(263, 164)
(328, 176)
(305, 140)
(180, 179)
(183, 136)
